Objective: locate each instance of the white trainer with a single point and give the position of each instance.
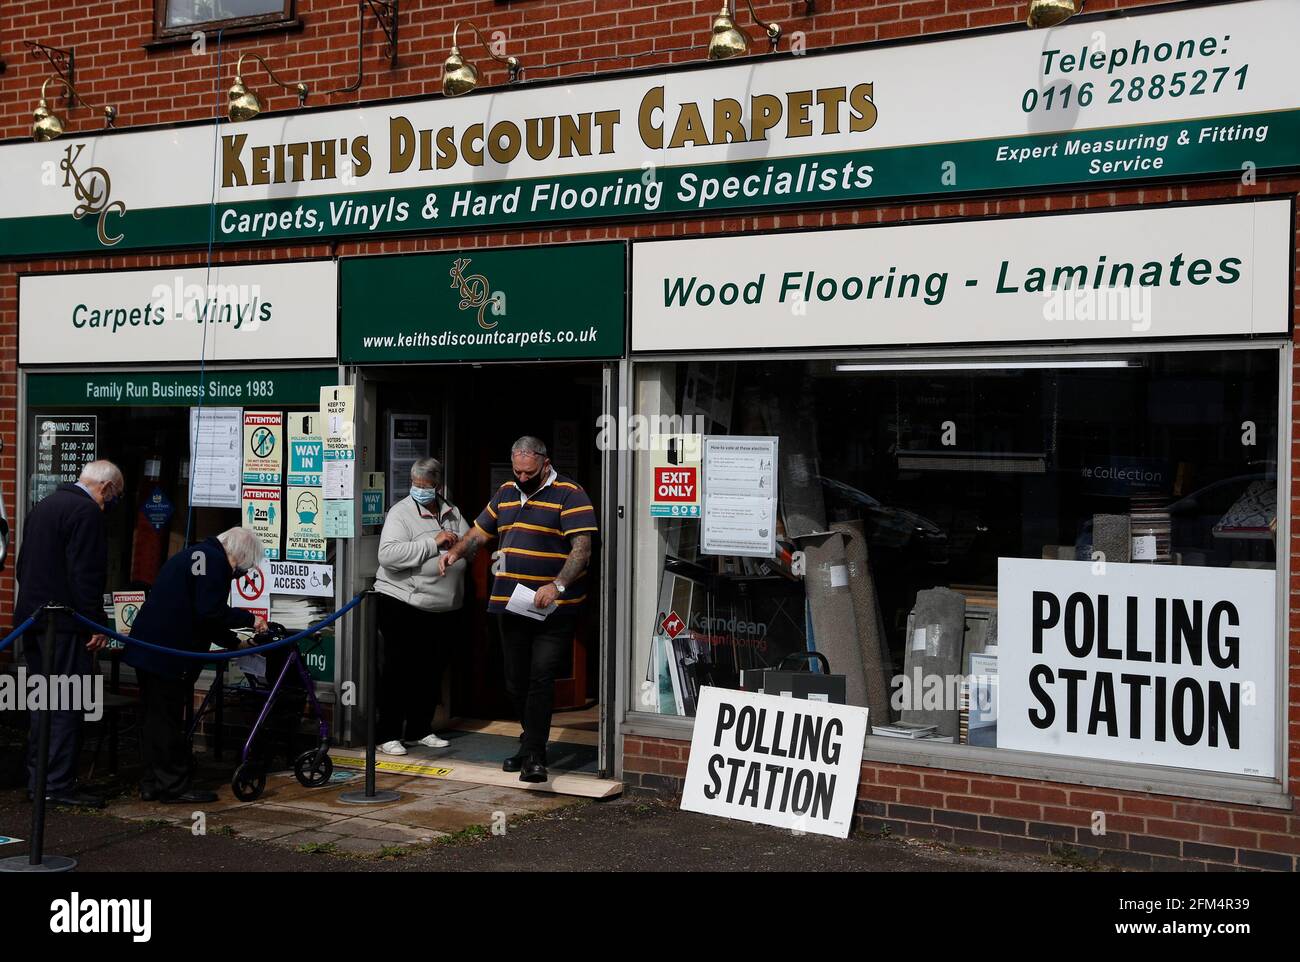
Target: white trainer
(391, 748)
(433, 741)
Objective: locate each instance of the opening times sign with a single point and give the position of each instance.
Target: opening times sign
(1158, 664)
(1206, 90)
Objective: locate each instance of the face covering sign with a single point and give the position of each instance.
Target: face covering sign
(786, 762)
(1158, 664)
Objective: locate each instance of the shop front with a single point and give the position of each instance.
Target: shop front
(456, 355)
(107, 371)
(1026, 488)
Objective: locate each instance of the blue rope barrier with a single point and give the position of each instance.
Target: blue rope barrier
(10, 638)
(223, 655)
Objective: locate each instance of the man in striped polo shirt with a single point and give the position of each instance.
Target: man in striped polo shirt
(545, 523)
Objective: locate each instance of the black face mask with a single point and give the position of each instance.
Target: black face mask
(531, 485)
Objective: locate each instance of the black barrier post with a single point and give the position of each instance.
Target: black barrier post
(36, 859)
(370, 795)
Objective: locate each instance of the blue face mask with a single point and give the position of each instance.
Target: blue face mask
(424, 495)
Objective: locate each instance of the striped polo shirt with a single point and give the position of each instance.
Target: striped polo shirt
(534, 533)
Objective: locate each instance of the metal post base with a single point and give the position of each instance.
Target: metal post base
(50, 863)
(359, 797)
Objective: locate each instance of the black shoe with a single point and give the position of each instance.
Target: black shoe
(514, 763)
(534, 770)
(189, 798)
(75, 798)
(148, 794)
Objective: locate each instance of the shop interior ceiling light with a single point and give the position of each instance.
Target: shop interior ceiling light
(985, 365)
(460, 76)
(47, 125)
(728, 40)
(1049, 13)
(245, 104)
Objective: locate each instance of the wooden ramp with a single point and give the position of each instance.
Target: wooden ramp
(478, 773)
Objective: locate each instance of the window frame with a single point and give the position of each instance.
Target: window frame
(285, 19)
(1264, 792)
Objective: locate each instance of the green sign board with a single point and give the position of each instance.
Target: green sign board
(179, 388)
(523, 303)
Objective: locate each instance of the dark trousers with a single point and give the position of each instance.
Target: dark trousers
(68, 657)
(164, 746)
(414, 651)
(535, 654)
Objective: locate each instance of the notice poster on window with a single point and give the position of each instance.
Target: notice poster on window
(338, 412)
(306, 450)
(64, 445)
(216, 442)
(261, 513)
(739, 512)
(408, 441)
(263, 447)
(787, 762)
(304, 538)
(372, 499)
(1156, 664)
(675, 476)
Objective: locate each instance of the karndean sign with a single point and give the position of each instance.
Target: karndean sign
(1208, 89)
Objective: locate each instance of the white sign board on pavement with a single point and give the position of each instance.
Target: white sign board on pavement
(785, 762)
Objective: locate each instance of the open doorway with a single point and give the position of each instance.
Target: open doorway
(467, 416)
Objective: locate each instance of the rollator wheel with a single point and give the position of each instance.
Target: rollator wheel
(248, 782)
(313, 768)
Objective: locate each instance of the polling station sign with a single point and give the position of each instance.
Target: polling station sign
(1158, 664)
(775, 761)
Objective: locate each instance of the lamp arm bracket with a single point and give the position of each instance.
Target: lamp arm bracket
(300, 88)
(63, 61)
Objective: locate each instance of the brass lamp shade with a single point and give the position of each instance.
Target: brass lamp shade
(458, 76)
(46, 124)
(727, 40)
(245, 104)
(1049, 13)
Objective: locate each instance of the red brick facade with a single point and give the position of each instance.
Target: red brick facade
(161, 84)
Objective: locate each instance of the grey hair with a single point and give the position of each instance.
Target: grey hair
(103, 472)
(243, 547)
(427, 469)
(528, 445)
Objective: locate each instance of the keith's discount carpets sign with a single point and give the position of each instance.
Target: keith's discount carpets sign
(776, 761)
(1158, 664)
(1187, 91)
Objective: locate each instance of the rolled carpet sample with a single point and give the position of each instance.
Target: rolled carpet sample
(826, 580)
(1112, 535)
(936, 632)
(866, 610)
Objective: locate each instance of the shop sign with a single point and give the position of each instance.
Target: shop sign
(1176, 93)
(178, 388)
(786, 762)
(1208, 269)
(249, 312)
(1153, 664)
(675, 476)
(484, 305)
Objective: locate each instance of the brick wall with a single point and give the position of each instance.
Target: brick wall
(1140, 830)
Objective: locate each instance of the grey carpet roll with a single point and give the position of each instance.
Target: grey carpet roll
(834, 622)
(1112, 535)
(870, 624)
(935, 638)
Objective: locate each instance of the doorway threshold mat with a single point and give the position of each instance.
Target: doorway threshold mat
(426, 763)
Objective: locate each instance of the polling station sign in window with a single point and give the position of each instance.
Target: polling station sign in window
(776, 761)
(1160, 664)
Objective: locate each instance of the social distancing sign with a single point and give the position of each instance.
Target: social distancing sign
(263, 515)
(306, 451)
(263, 447)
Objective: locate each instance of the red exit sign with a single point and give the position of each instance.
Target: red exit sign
(675, 484)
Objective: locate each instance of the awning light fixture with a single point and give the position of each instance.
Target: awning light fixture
(728, 40)
(460, 76)
(1049, 13)
(47, 125)
(245, 104)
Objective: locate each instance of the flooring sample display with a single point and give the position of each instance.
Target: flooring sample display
(936, 631)
(835, 625)
(871, 625)
(1112, 535)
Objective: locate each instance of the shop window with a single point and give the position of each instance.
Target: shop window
(902, 485)
(180, 18)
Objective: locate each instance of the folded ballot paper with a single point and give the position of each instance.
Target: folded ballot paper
(521, 603)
